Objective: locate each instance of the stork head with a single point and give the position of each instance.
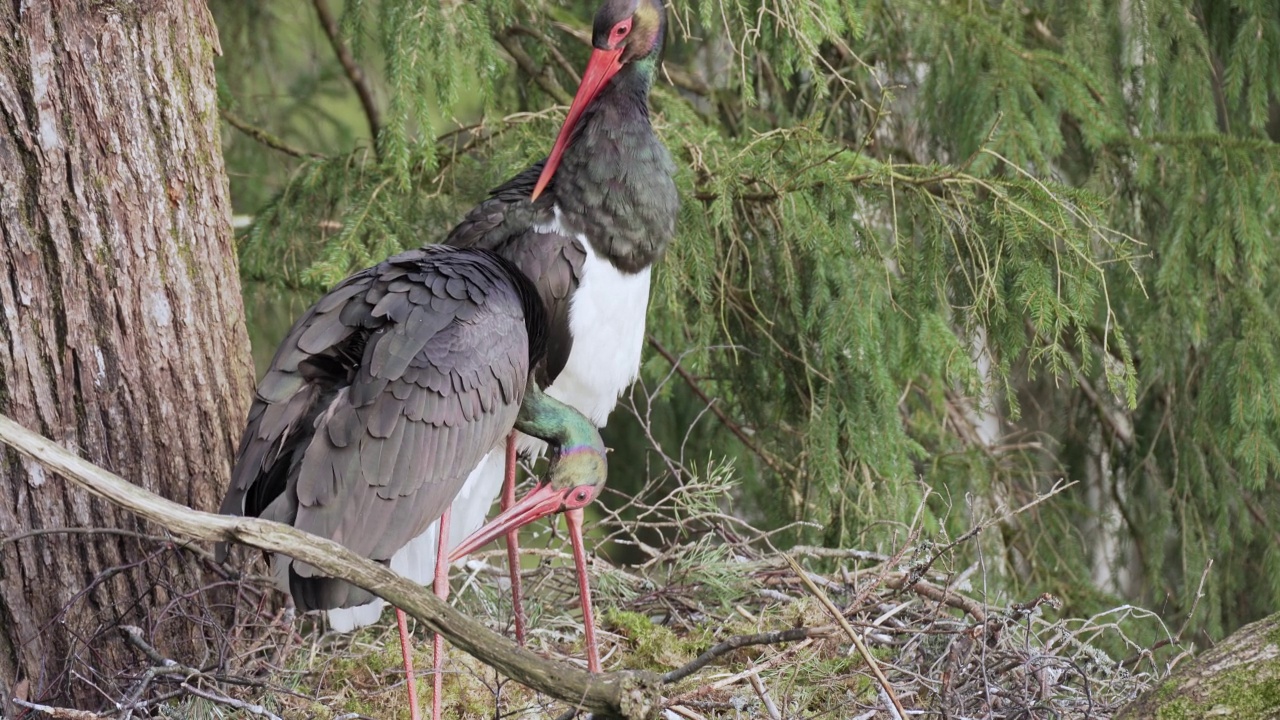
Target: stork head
(573, 479)
(625, 33)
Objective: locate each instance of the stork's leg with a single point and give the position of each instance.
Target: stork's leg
(406, 653)
(513, 544)
(441, 587)
(574, 519)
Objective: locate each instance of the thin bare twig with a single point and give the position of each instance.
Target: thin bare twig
(264, 137)
(221, 699)
(735, 428)
(763, 693)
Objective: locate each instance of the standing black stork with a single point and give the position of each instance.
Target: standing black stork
(585, 225)
(381, 401)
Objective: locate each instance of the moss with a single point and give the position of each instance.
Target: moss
(1237, 693)
(1240, 692)
(654, 647)
(1273, 635)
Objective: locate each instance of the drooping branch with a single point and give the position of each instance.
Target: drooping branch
(626, 694)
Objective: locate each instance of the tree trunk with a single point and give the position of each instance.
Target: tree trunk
(1238, 679)
(122, 335)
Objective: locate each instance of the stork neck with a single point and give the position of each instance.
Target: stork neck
(614, 184)
(557, 424)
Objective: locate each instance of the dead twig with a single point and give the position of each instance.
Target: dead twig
(853, 634)
(59, 713)
(734, 643)
(221, 699)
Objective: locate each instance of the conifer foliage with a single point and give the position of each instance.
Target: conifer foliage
(970, 247)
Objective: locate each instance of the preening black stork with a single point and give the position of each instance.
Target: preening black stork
(381, 401)
(585, 225)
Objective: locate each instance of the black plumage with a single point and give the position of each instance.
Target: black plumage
(380, 401)
(525, 233)
(614, 188)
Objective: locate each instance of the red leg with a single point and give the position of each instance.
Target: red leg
(442, 591)
(574, 519)
(408, 664)
(513, 543)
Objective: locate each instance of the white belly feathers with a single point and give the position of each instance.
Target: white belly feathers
(607, 319)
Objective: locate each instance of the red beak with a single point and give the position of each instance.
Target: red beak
(602, 66)
(542, 501)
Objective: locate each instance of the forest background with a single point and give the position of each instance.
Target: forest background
(957, 249)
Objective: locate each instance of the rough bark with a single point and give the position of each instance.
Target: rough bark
(1239, 679)
(122, 333)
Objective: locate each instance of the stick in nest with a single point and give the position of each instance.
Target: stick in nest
(853, 635)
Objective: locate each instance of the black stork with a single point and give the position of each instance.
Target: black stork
(586, 225)
(382, 399)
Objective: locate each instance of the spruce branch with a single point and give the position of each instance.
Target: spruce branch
(354, 72)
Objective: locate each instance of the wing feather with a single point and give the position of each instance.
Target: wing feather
(381, 401)
(529, 235)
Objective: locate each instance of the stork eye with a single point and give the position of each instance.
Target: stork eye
(621, 29)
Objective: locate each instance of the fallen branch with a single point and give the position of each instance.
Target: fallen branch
(627, 694)
(58, 713)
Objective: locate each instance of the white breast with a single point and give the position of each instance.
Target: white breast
(606, 317)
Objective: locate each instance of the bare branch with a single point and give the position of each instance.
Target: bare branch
(741, 641)
(733, 427)
(627, 694)
(58, 713)
(354, 72)
(543, 76)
